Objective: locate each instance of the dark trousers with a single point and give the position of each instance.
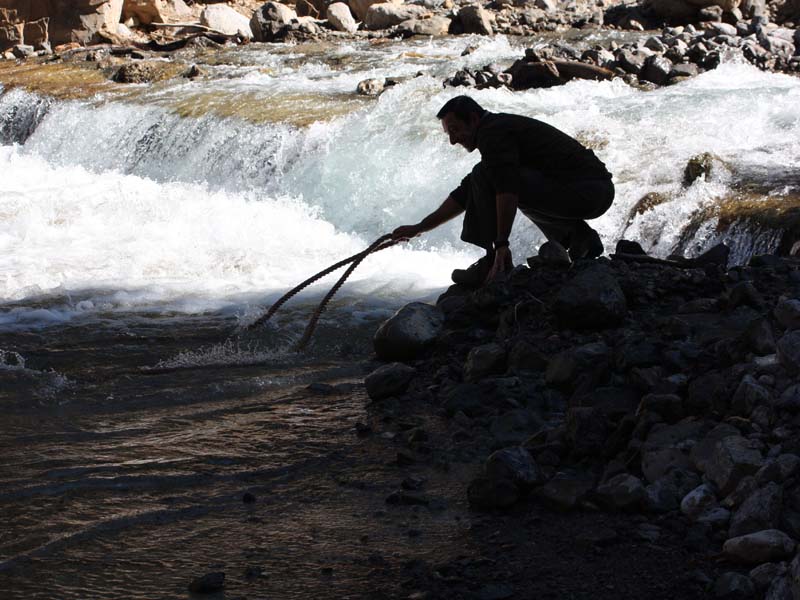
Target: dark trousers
(559, 209)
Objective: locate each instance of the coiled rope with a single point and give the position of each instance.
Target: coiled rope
(381, 243)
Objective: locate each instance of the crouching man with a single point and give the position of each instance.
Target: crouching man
(527, 164)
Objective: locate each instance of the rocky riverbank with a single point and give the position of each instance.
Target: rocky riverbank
(665, 390)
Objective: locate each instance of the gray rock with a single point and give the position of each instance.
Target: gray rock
(789, 352)
(474, 19)
(591, 300)
(621, 492)
(656, 70)
(23, 51)
(748, 395)
(516, 465)
(388, 14)
(553, 253)
(699, 500)
(733, 458)
(484, 360)
(340, 17)
(763, 546)
(408, 332)
(434, 26)
(787, 312)
(269, 20)
(631, 61)
(389, 380)
(685, 70)
(565, 490)
(734, 586)
(655, 44)
(716, 28)
(761, 510)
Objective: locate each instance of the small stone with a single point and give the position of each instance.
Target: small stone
(489, 493)
(370, 87)
(621, 492)
(516, 465)
(564, 491)
(591, 300)
(484, 360)
(698, 501)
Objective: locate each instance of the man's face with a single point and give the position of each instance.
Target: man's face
(462, 132)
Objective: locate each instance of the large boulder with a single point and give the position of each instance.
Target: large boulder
(269, 20)
(433, 26)
(360, 7)
(408, 332)
(388, 14)
(225, 19)
(591, 300)
(340, 17)
(82, 21)
(474, 19)
(157, 11)
(769, 545)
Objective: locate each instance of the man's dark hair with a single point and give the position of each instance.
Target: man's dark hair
(462, 107)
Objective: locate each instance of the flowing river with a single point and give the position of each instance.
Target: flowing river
(141, 227)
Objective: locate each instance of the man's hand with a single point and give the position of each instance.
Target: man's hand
(406, 232)
(502, 263)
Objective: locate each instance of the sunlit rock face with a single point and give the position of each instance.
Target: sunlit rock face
(67, 20)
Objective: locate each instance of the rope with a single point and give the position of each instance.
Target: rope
(381, 243)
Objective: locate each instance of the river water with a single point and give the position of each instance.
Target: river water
(140, 228)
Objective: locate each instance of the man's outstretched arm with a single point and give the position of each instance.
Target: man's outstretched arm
(448, 210)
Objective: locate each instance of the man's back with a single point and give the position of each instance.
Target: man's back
(514, 141)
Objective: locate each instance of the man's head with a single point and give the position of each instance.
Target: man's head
(460, 117)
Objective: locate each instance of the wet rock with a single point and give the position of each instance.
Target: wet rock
(656, 70)
(489, 493)
(143, 72)
(734, 586)
(701, 165)
(591, 300)
(621, 492)
(227, 20)
(759, 547)
(208, 583)
(370, 87)
(787, 312)
(340, 17)
(733, 458)
(761, 510)
(474, 19)
(408, 332)
(516, 465)
(788, 351)
(484, 360)
(387, 14)
(389, 380)
(565, 490)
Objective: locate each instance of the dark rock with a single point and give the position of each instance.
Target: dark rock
(789, 399)
(632, 61)
(248, 498)
(142, 72)
(23, 51)
(716, 255)
(669, 406)
(666, 493)
(565, 490)
(405, 498)
(408, 332)
(621, 492)
(701, 165)
(553, 253)
(763, 546)
(748, 395)
(763, 575)
(208, 583)
(516, 465)
(788, 351)
(526, 357)
(732, 585)
(484, 360)
(779, 469)
(514, 427)
(684, 70)
(700, 500)
(270, 20)
(733, 458)
(489, 493)
(586, 431)
(656, 70)
(703, 451)
(762, 510)
(787, 312)
(758, 338)
(565, 366)
(591, 300)
(389, 380)
(630, 247)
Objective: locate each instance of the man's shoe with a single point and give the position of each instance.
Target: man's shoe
(475, 274)
(585, 244)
